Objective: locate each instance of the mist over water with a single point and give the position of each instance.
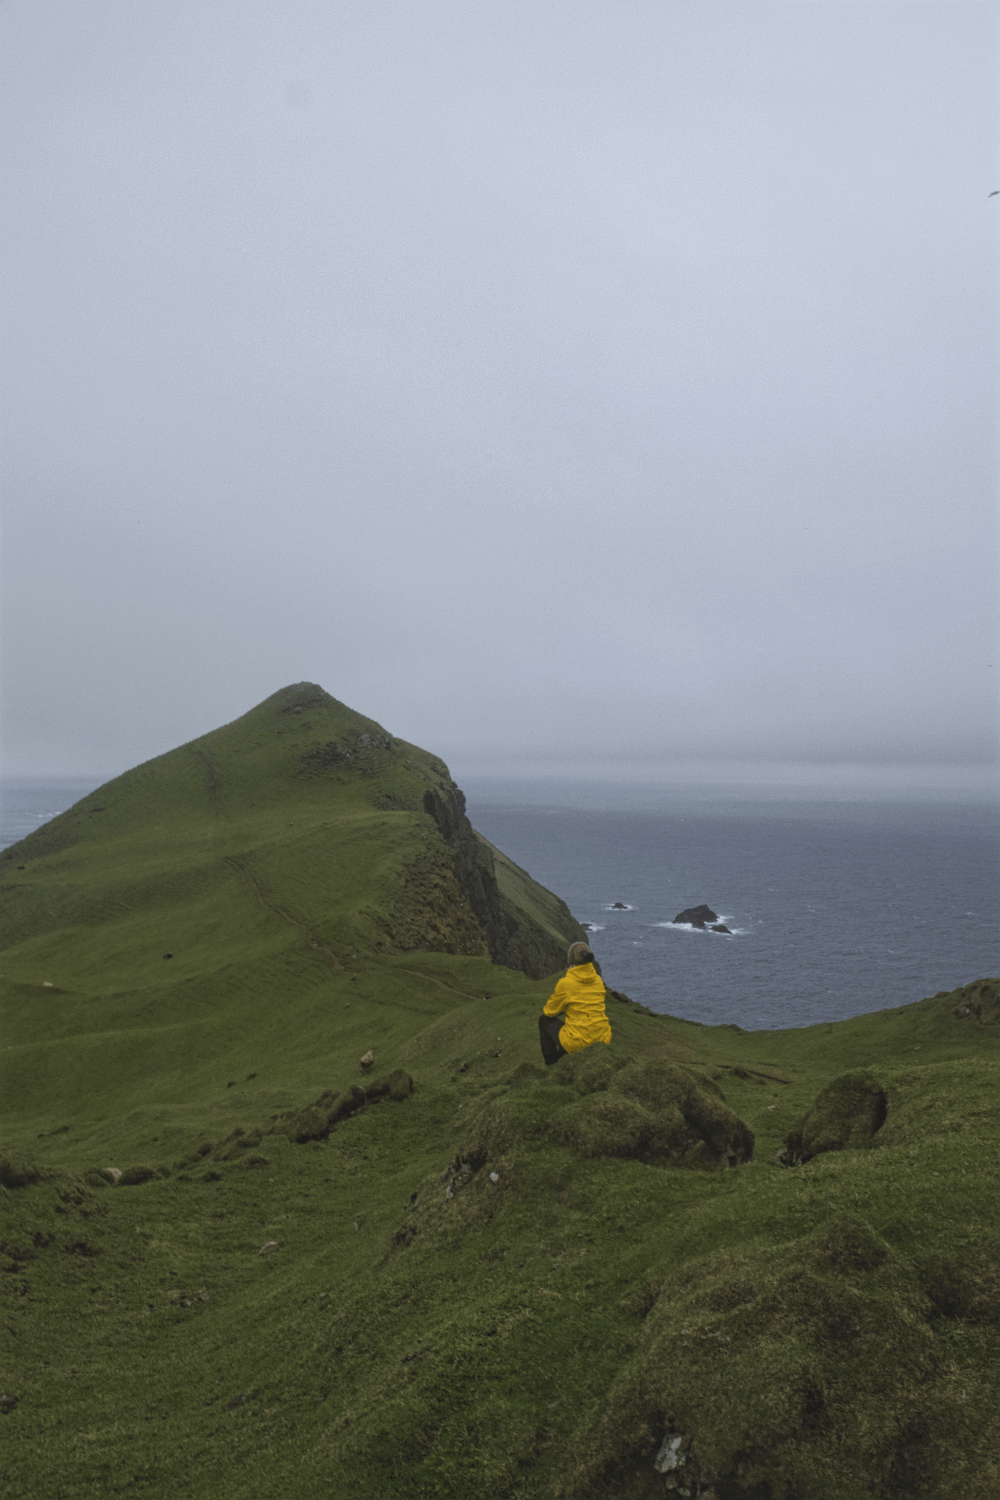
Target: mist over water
(838, 906)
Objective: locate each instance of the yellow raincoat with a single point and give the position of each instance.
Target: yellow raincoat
(580, 995)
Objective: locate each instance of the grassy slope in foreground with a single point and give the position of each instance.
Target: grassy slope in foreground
(825, 1331)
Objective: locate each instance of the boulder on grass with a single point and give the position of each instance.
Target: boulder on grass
(346, 1104)
(847, 1113)
(979, 1001)
(396, 1085)
(136, 1176)
(650, 1112)
(308, 1125)
(317, 1120)
(16, 1172)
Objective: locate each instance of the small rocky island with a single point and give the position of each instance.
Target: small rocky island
(702, 917)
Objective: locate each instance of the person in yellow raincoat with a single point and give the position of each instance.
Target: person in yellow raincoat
(579, 997)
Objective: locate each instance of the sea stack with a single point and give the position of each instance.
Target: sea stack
(697, 916)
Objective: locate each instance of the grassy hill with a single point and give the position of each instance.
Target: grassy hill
(454, 1273)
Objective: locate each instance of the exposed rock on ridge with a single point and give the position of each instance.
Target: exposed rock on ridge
(980, 1000)
(512, 939)
(431, 911)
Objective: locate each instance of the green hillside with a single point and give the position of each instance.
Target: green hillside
(236, 1262)
(300, 843)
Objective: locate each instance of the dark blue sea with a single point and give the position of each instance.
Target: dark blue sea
(838, 905)
(28, 802)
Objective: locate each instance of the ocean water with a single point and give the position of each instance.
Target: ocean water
(28, 802)
(837, 905)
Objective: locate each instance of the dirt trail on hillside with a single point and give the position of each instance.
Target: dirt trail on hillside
(279, 911)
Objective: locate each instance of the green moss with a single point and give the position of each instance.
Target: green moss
(17, 1170)
(849, 1112)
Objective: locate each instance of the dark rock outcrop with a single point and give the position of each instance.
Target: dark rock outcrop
(316, 1121)
(137, 1176)
(697, 916)
(512, 939)
(431, 911)
(979, 1001)
(16, 1172)
(847, 1113)
(721, 927)
(473, 869)
(396, 1085)
(309, 1125)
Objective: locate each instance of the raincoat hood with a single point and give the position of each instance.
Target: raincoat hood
(584, 974)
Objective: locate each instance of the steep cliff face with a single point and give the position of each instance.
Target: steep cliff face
(431, 912)
(513, 936)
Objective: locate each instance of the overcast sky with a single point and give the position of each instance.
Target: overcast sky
(554, 382)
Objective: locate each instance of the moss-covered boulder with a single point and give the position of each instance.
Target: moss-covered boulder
(136, 1176)
(397, 1085)
(309, 1124)
(16, 1171)
(316, 1121)
(651, 1112)
(847, 1114)
(979, 1001)
(966, 1288)
(805, 1371)
(658, 1113)
(588, 1072)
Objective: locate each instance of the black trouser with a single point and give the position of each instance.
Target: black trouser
(549, 1028)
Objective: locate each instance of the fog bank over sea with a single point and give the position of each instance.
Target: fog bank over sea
(622, 783)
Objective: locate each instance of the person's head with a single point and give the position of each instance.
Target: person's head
(578, 953)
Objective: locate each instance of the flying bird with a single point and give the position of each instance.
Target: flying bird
(994, 193)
